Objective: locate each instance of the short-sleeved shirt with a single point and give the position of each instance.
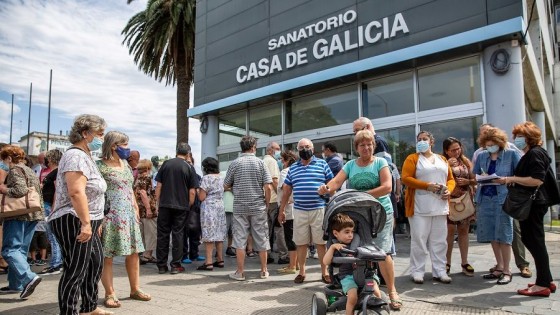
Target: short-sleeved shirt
(144, 182)
(247, 175)
(335, 163)
(272, 166)
(367, 177)
(176, 177)
(49, 187)
(76, 160)
(305, 181)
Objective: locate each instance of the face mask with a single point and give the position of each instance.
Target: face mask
(520, 143)
(277, 155)
(493, 148)
(95, 144)
(422, 146)
(305, 154)
(123, 153)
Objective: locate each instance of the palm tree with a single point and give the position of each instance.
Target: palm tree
(161, 39)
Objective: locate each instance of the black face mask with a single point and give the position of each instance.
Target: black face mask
(305, 154)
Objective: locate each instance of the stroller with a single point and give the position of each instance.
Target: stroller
(369, 218)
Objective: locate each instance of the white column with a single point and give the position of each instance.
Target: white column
(539, 120)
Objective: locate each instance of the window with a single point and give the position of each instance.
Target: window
(389, 96)
(401, 141)
(453, 83)
(466, 130)
(330, 108)
(232, 127)
(265, 121)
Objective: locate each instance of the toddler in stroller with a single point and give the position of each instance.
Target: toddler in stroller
(352, 219)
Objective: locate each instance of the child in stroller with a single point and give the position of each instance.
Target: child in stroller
(351, 220)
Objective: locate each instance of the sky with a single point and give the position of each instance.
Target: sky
(81, 41)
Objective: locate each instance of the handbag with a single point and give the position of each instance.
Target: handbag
(461, 208)
(519, 201)
(193, 220)
(14, 207)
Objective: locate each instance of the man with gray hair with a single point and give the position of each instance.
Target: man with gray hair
(250, 182)
(364, 123)
(175, 194)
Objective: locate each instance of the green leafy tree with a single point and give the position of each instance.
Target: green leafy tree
(161, 39)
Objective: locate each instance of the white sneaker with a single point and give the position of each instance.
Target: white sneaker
(443, 279)
(237, 276)
(264, 274)
(315, 256)
(418, 279)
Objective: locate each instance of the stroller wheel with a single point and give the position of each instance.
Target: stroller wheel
(319, 304)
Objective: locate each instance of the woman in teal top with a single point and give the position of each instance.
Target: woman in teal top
(372, 175)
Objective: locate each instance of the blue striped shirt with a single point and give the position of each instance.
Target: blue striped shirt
(305, 181)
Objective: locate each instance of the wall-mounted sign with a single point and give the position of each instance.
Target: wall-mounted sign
(324, 47)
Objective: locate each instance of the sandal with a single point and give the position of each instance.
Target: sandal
(493, 274)
(219, 264)
(505, 278)
(468, 270)
(299, 279)
(111, 301)
(140, 296)
(326, 279)
(208, 267)
(395, 303)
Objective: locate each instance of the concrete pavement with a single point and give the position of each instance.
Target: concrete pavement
(212, 292)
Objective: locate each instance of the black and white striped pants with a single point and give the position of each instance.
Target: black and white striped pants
(83, 263)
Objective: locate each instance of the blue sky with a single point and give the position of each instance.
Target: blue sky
(93, 73)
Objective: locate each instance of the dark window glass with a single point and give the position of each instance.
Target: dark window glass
(389, 96)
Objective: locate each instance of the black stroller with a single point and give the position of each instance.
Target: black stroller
(369, 218)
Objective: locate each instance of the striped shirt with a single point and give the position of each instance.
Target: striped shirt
(247, 176)
(305, 181)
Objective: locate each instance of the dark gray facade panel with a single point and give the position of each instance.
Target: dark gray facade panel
(239, 22)
(277, 7)
(236, 33)
(228, 44)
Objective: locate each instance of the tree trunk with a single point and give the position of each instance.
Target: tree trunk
(183, 95)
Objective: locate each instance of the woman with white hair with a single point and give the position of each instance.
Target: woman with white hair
(121, 235)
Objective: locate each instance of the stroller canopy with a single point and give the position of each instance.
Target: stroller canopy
(362, 207)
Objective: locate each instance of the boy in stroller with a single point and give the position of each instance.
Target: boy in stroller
(343, 230)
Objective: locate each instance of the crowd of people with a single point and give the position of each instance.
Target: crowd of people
(121, 205)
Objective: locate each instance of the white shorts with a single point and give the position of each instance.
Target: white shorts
(308, 226)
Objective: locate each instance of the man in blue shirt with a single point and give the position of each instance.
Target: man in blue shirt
(330, 154)
(303, 180)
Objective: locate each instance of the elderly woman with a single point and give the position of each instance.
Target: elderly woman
(429, 181)
(464, 179)
(534, 171)
(53, 158)
(371, 174)
(77, 216)
(121, 228)
(493, 225)
(18, 231)
(146, 201)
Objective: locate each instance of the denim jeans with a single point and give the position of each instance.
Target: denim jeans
(17, 238)
(56, 254)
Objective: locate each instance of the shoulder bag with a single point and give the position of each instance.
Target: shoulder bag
(519, 201)
(14, 207)
(461, 208)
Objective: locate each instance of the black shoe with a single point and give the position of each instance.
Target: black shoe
(230, 252)
(269, 260)
(162, 269)
(177, 269)
(30, 287)
(7, 290)
(283, 261)
(51, 271)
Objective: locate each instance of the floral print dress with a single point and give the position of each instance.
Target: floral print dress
(121, 230)
(212, 211)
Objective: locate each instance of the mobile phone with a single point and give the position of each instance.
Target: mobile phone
(442, 189)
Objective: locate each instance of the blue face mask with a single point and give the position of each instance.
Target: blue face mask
(277, 155)
(422, 146)
(493, 148)
(95, 144)
(520, 143)
(123, 153)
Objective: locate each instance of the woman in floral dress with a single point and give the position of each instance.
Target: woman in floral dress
(212, 213)
(121, 228)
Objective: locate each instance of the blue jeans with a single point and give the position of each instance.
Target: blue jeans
(17, 238)
(56, 254)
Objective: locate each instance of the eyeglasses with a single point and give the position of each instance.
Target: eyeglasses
(305, 147)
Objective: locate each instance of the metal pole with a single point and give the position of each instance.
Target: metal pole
(29, 117)
(12, 119)
(49, 114)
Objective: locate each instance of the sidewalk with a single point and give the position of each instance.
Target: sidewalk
(212, 292)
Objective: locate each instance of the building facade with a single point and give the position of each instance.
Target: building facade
(284, 70)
